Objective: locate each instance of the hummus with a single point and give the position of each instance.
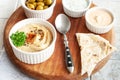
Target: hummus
(38, 38)
(100, 17)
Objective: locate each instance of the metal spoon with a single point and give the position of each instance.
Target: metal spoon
(63, 25)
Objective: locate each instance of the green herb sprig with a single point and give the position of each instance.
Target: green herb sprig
(18, 38)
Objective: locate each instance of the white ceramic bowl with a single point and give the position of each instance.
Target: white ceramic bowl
(33, 57)
(99, 29)
(68, 7)
(43, 14)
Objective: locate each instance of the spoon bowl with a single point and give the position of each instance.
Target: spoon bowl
(62, 23)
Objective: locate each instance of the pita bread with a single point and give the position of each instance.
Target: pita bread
(93, 49)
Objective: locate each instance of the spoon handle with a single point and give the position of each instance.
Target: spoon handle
(68, 57)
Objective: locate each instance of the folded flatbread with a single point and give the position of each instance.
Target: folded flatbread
(93, 49)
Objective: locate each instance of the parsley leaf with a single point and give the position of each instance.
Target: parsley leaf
(18, 38)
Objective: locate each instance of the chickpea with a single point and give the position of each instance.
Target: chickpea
(39, 0)
(35, 4)
(26, 3)
(45, 7)
(31, 6)
(39, 7)
(48, 2)
(41, 3)
(31, 1)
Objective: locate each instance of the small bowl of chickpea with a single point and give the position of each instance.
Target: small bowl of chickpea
(38, 8)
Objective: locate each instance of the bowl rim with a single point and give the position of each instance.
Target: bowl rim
(38, 20)
(99, 8)
(88, 6)
(25, 7)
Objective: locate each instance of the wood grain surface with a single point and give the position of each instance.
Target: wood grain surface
(54, 68)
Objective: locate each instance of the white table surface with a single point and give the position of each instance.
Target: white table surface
(111, 71)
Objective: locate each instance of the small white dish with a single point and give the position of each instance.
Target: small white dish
(99, 20)
(76, 8)
(43, 14)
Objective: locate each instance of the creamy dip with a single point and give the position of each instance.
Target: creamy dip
(100, 17)
(76, 5)
(38, 38)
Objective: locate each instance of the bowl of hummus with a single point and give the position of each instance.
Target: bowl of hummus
(33, 40)
(99, 20)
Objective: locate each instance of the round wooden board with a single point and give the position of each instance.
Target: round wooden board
(54, 68)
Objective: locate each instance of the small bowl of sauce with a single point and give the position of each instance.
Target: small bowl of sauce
(99, 20)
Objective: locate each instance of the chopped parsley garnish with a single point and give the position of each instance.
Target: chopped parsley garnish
(18, 38)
